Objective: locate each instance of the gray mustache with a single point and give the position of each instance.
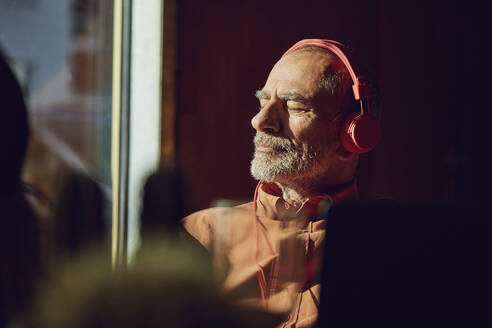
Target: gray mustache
(272, 141)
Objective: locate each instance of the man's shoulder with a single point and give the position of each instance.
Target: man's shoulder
(208, 215)
(201, 224)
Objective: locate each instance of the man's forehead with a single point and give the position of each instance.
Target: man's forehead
(296, 76)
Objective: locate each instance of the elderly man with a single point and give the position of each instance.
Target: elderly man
(312, 124)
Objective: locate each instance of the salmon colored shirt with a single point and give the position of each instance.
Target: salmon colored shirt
(270, 258)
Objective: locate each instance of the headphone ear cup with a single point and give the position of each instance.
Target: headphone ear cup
(360, 133)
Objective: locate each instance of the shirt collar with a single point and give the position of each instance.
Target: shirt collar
(273, 206)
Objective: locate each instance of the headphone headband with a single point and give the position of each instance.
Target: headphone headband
(361, 90)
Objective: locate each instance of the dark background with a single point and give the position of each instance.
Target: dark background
(427, 56)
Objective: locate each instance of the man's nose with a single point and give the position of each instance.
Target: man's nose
(266, 120)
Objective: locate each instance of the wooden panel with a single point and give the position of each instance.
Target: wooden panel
(169, 69)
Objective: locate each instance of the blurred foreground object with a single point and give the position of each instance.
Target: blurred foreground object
(14, 132)
(80, 216)
(169, 285)
(163, 202)
(20, 249)
(389, 265)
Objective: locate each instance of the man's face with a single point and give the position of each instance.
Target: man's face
(296, 133)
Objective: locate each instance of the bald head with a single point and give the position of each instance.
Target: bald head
(334, 81)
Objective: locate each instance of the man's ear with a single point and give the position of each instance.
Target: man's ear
(343, 154)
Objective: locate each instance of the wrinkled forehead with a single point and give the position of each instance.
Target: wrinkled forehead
(299, 72)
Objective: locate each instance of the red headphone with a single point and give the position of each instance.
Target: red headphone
(361, 131)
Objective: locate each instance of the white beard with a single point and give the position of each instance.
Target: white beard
(289, 162)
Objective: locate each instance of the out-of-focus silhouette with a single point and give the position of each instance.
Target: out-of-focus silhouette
(163, 201)
(397, 265)
(14, 134)
(169, 285)
(79, 220)
(20, 251)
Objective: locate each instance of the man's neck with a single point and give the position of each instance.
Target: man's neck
(302, 192)
(296, 194)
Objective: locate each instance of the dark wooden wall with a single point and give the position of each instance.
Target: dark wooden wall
(423, 54)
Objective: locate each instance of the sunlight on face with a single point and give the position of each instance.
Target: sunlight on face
(286, 161)
(293, 140)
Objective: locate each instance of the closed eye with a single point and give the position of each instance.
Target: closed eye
(298, 109)
(296, 106)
